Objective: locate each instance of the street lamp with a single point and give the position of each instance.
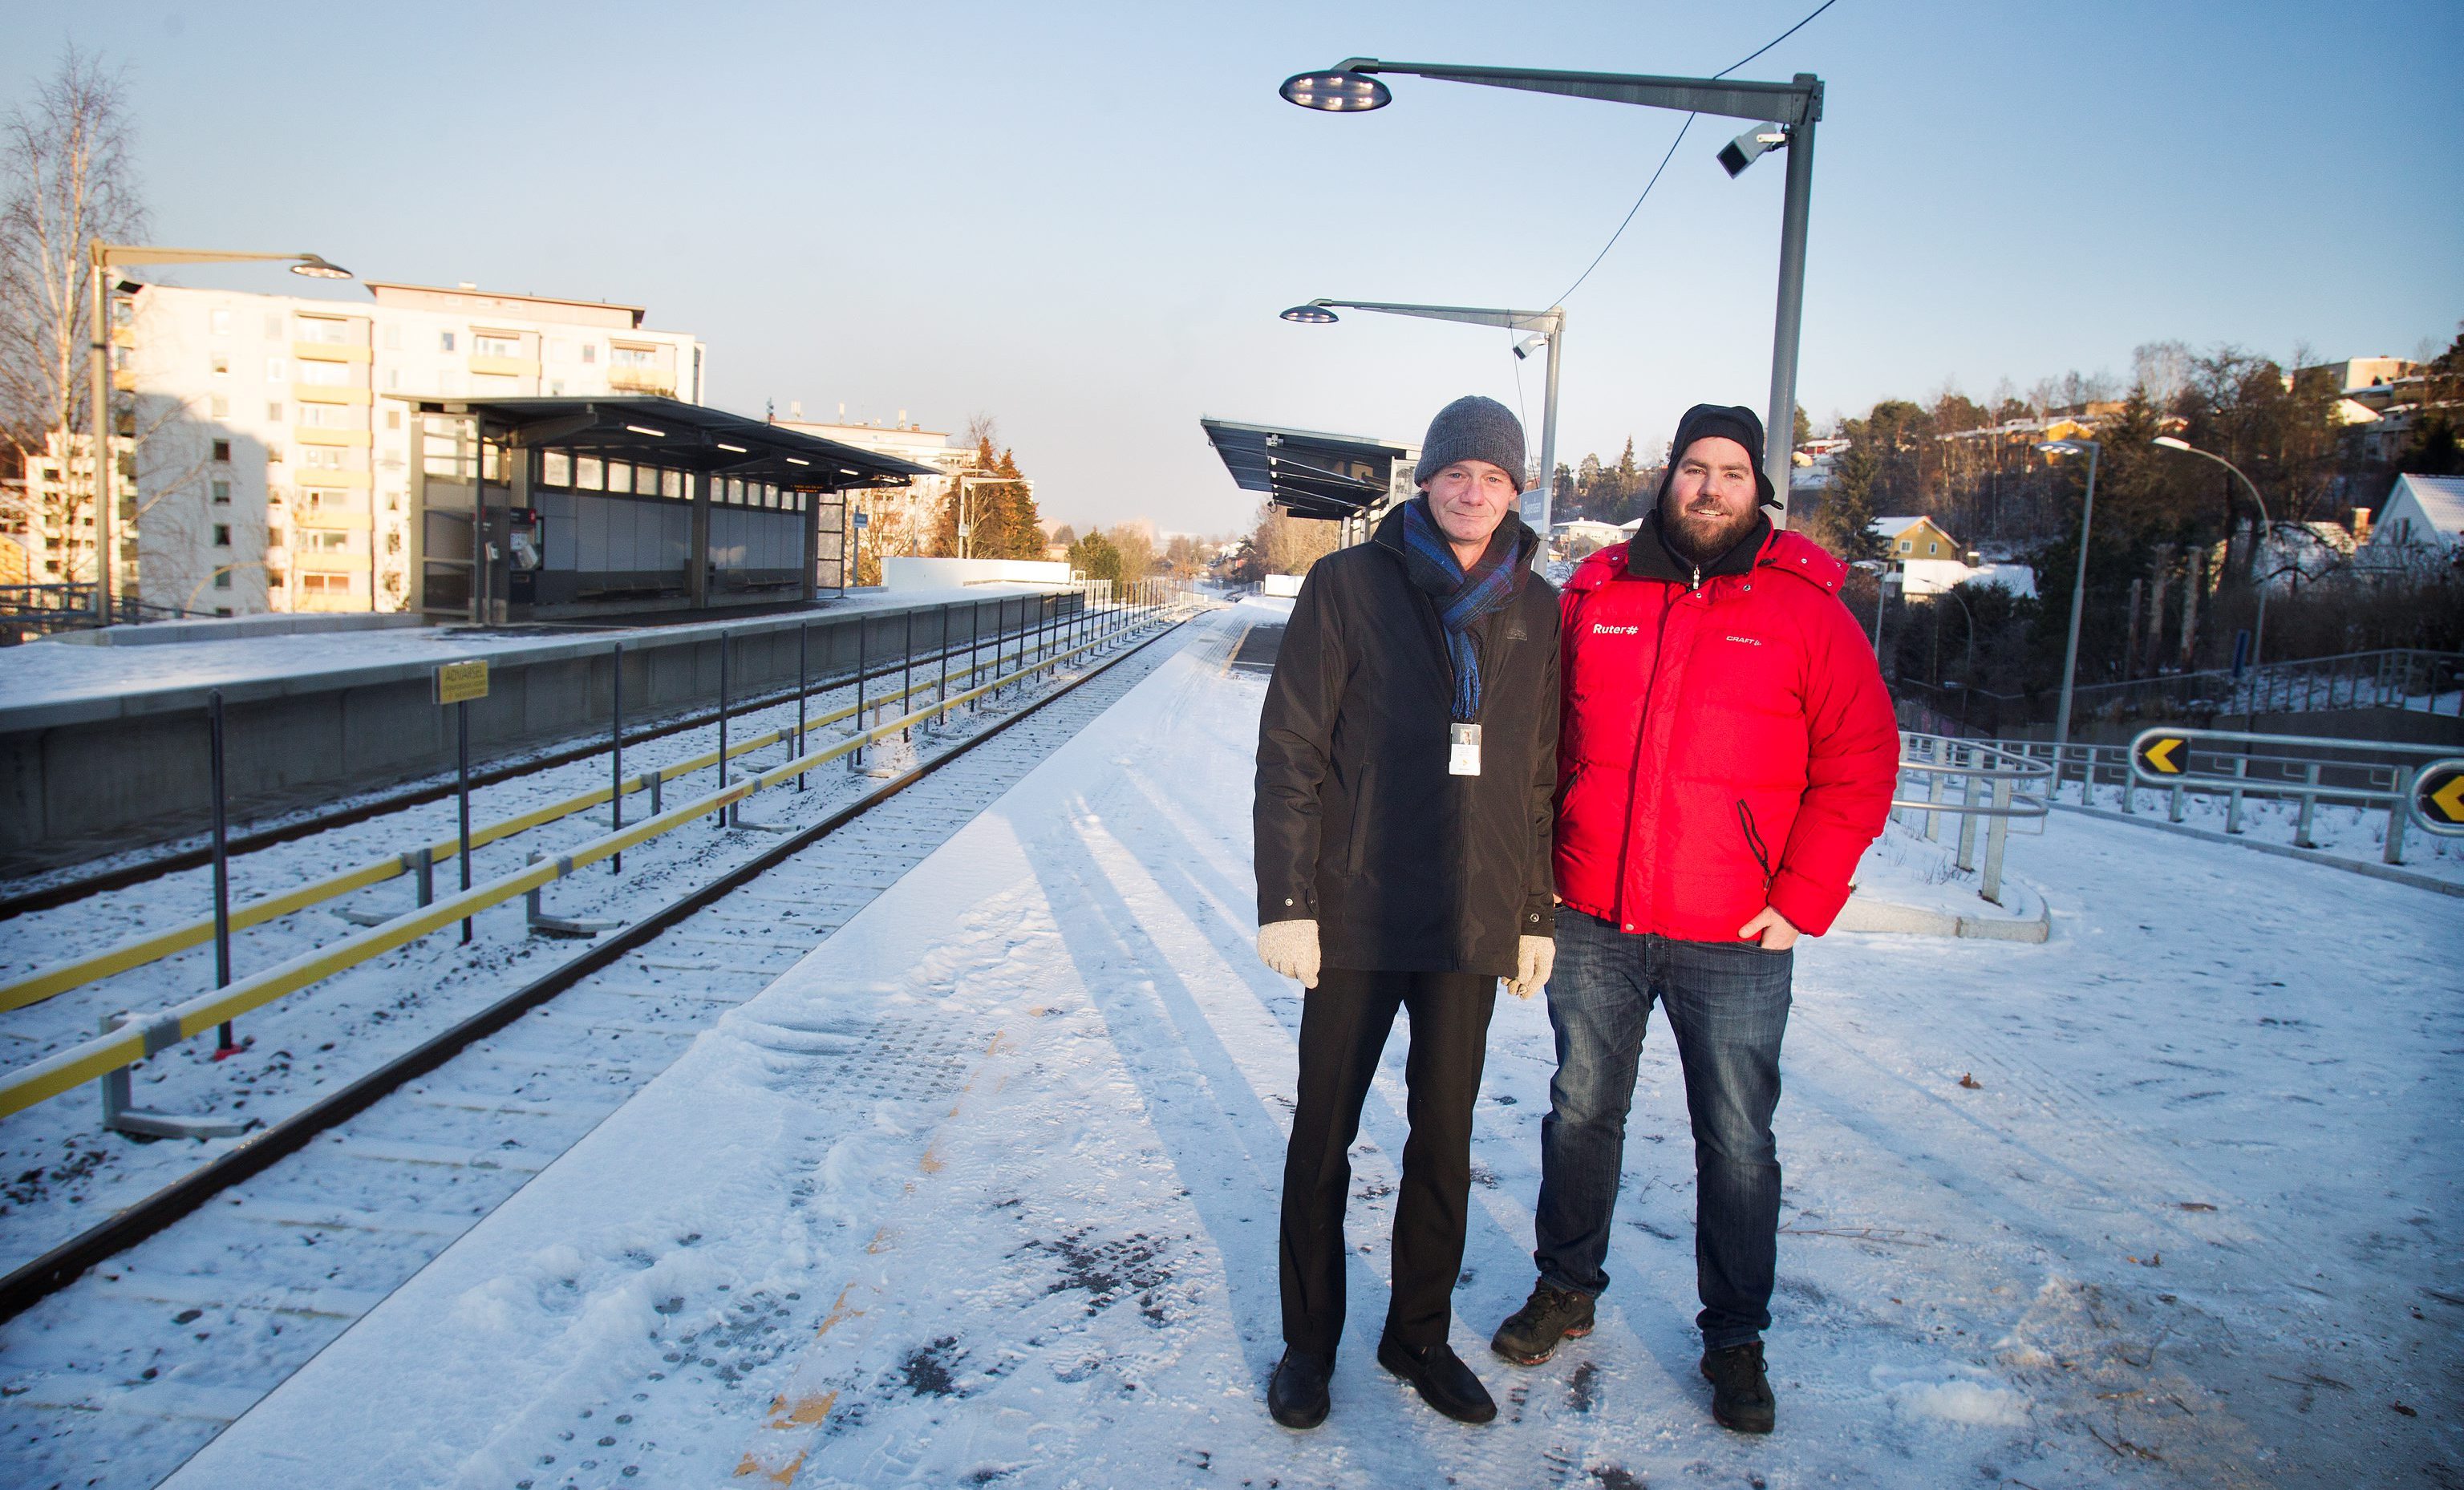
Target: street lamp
(965, 528)
(2266, 528)
(2092, 449)
(1786, 114)
(103, 257)
(1547, 325)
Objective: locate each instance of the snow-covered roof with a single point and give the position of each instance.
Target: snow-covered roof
(1893, 526)
(2441, 498)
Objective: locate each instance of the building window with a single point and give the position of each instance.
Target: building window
(322, 457)
(272, 412)
(393, 339)
(222, 451)
(1908, 545)
(222, 581)
(486, 344)
(1934, 548)
(672, 483)
(586, 474)
(222, 364)
(220, 321)
(444, 342)
(325, 539)
(323, 330)
(393, 380)
(273, 369)
(590, 352)
(555, 469)
(329, 416)
(222, 534)
(393, 419)
(221, 492)
(326, 375)
(555, 386)
(220, 406)
(619, 476)
(620, 355)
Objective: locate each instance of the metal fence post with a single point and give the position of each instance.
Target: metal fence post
(804, 673)
(462, 797)
(723, 649)
(1996, 834)
(1933, 789)
(974, 670)
(2130, 785)
(2233, 805)
(2399, 809)
(616, 755)
(2309, 808)
(222, 866)
(1969, 785)
(855, 757)
(941, 691)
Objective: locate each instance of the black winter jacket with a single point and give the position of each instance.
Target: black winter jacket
(1406, 867)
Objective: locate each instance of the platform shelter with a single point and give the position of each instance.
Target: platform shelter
(1346, 478)
(569, 507)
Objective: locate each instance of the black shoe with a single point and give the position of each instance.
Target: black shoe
(1440, 1378)
(1530, 1333)
(1296, 1393)
(1741, 1395)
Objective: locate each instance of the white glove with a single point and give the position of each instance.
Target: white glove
(1534, 959)
(1290, 949)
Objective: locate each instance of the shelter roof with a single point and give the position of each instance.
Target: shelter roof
(1310, 473)
(665, 431)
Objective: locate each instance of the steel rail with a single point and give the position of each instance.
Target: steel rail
(32, 1281)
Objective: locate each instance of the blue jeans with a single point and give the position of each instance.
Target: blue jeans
(1727, 1006)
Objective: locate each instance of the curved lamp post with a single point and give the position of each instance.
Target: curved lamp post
(1549, 325)
(2078, 588)
(2266, 530)
(102, 258)
(1352, 86)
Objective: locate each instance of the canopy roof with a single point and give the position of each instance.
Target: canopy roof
(664, 431)
(1310, 475)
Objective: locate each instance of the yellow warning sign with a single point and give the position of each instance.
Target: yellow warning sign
(2166, 754)
(2438, 794)
(460, 682)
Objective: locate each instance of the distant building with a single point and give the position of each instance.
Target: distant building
(272, 470)
(2424, 514)
(1914, 537)
(903, 519)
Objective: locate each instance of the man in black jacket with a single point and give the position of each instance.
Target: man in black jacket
(1406, 760)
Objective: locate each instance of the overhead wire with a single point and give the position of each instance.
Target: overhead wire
(1682, 130)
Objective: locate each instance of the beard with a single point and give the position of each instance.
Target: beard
(1706, 532)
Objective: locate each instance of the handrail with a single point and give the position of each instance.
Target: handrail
(151, 947)
(133, 1041)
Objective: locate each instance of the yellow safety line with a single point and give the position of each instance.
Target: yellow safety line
(68, 1070)
(154, 946)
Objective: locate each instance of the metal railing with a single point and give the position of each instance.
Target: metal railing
(146, 1035)
(2388, 678)
(1972, 780)
(2299, 769)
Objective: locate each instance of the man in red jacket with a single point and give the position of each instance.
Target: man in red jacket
(1726, 752)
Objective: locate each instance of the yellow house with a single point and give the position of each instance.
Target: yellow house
(1915, 537)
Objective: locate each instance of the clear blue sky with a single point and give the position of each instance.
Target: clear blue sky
(1083, 219)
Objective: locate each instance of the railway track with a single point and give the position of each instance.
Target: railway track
(134, 1343)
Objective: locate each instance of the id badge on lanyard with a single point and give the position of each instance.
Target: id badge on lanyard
(1462, 750)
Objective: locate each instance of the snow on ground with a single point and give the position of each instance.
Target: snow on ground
(984, 1190)
(58, 672)
(2355, 833)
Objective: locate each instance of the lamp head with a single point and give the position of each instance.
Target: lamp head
(2064, 446)
(1311, 315)
(1748, 147)
(1530, 344)
(2171, 444)
(1337, 92)
(317, 268)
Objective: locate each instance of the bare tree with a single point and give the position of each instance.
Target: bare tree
(67, 178)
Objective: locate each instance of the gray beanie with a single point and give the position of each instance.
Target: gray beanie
(1473, 428)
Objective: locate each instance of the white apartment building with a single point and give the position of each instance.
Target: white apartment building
(271, 469)
(902, 520)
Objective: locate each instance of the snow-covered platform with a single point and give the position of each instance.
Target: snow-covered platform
(984, 1190)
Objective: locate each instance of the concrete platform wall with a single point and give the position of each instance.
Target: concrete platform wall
(72, 790)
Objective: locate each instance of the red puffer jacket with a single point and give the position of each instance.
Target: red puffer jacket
(1725, 742)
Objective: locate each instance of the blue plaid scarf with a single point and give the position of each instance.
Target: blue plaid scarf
(1465, 595)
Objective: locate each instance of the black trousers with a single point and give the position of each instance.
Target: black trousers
(1343, 1025)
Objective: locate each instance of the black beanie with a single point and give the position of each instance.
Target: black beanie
(1714, 421)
